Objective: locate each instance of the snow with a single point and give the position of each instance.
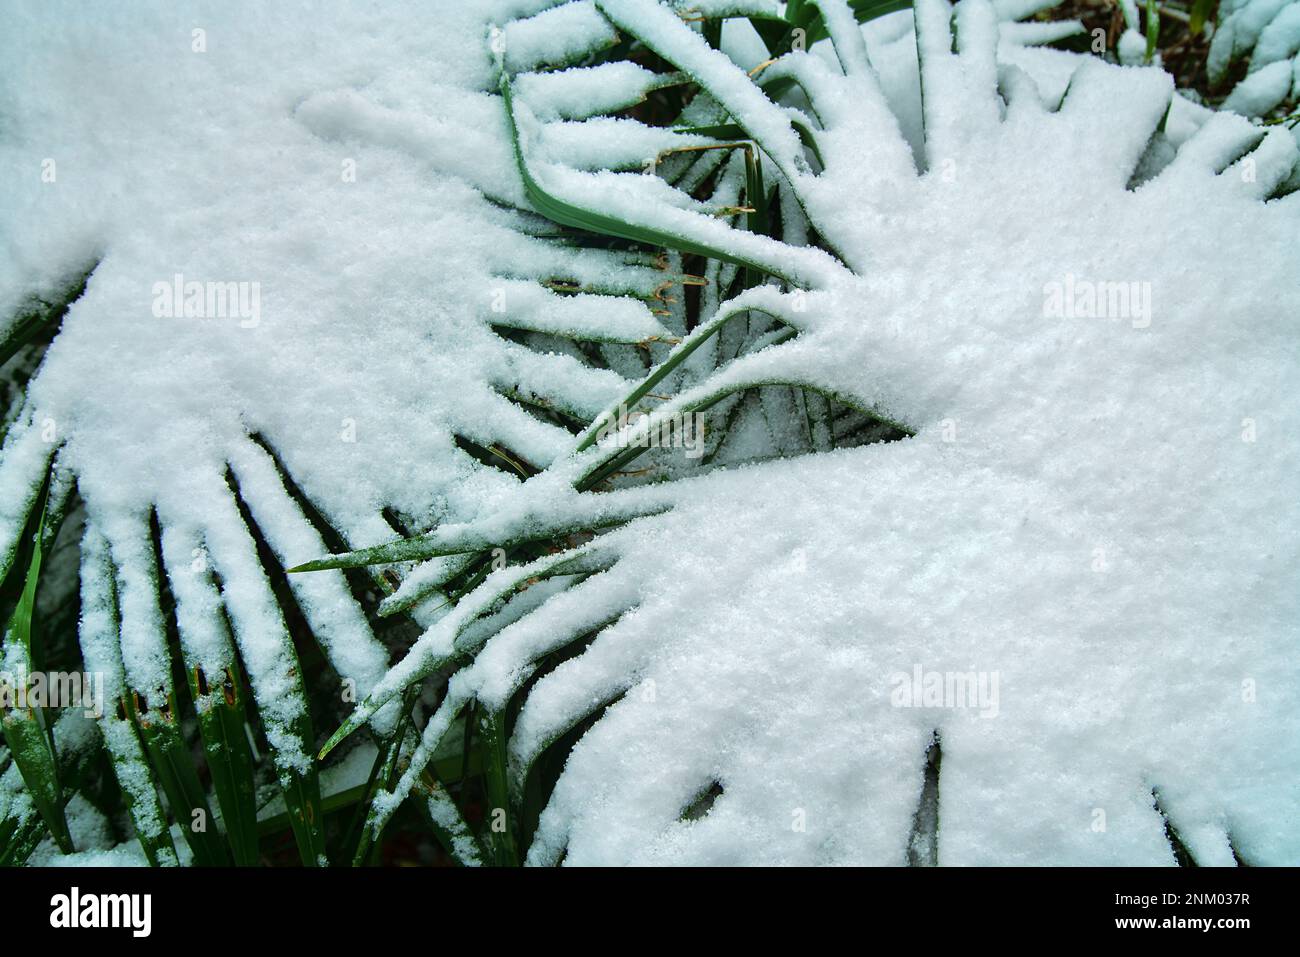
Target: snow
(554, 36)
(1034, 33)
(1070, 525)
(1094, 509)
(528, 306)
(1262, 90)
(92, 834)
(1244, 25)
(846, 37)
(658, 27)
(587, 91)
(119, 855)
(100, 653)
(1251, 19)
(1132, 48)
(336, 621)
(1280, 40)
(613, 143)
(714, 9)
(365, 287)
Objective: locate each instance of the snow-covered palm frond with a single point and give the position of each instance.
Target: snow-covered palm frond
(1077, 511)
(895, 233)
(246, 374)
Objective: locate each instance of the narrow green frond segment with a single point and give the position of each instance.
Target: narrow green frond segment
(441, 543)
(33, 753)
(384, 774)
(306, 815)
(22, 828)
(131, 768)
(16, 561)
(448, 825)
(586, 559)
(222, 720)
(27, 735)
(99, 636)
(501, 818)
(675, 358)
(170, 758)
